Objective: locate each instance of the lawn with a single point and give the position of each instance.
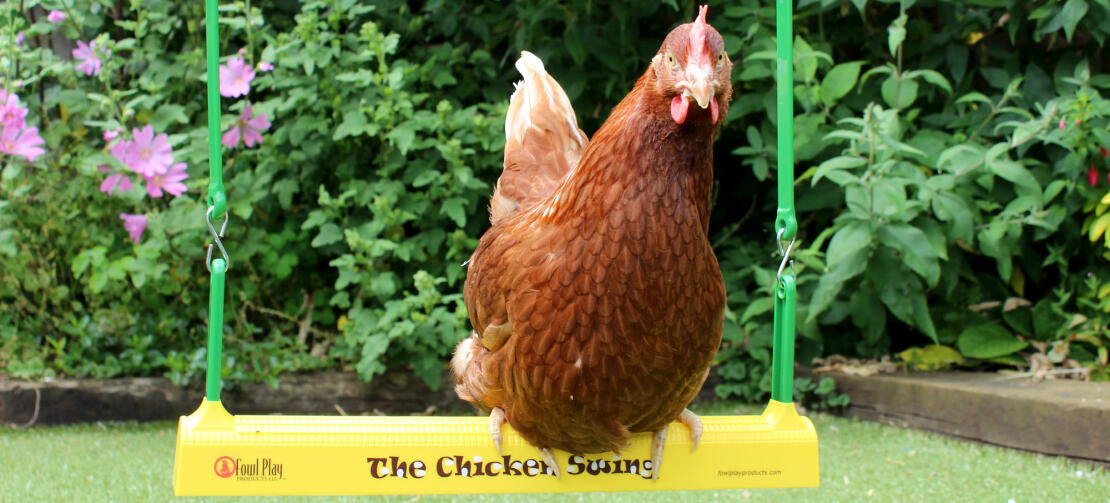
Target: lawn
(859, 461)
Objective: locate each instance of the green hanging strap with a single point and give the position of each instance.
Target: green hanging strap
(786, 226)
(217, 205)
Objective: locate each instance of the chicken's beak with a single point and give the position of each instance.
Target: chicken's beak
(700, 85)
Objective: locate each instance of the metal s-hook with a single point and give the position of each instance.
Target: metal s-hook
(785, 256)
(216, 238)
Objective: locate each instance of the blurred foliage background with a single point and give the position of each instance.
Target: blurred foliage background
(951, 194)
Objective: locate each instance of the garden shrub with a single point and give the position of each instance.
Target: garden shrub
(951, 179)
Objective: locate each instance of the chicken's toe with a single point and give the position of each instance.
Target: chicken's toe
(692, 421)
(657, 442)
(496, 419)
(549, 460)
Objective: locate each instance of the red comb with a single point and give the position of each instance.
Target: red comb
(697, 52)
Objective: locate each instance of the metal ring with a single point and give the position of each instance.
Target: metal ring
(785, 254)
(216, 238)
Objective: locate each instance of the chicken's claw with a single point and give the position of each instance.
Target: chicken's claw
(496, 419)
(549, 460)
(692, 421)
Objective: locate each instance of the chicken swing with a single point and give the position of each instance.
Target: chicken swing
(221, 454)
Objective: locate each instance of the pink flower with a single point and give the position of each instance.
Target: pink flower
(265, 66)
(20, 38)
(122, 150)
(135, 225)
(111, 134)
(1063, 123)
(90, 61)
(115, 181)
(19, 141)
(12, 114)
(235, 78)
(248, 128)
(56, 16)
(1092, 176)
(170, 181)
(149, 155)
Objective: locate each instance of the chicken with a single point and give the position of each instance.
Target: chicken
(596, 298)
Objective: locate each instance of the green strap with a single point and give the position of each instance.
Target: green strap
(216, 196)
(215, 328)
(217, 200)
(784, 78)
(786, 226)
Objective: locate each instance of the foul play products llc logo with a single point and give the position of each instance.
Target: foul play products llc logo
(251, 470)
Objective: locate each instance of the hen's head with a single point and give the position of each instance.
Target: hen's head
(692, 66)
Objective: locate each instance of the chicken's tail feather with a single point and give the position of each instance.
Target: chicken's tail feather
(542, 140)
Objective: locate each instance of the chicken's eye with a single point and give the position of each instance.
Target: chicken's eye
(672, 61)
(721, 58)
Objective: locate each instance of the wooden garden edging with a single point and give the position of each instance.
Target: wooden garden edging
(1058, 417)
(65, 401)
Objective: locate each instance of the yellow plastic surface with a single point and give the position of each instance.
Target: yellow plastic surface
(221, 454)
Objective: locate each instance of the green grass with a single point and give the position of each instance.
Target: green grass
(859, 461)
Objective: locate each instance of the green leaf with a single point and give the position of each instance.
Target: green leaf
(847, 241)
(957, 55)
(573, 43)
(454, 209)
(933, 77)
(832, 282)
(835, 164)
(757, 307)
(1071, 14)
(403, 136)
(974, 97)
(285, 189)
(7, 244)
(899, 96)
(1046, 322)
(889, 199)
(917, 253)
(931, 358)
(167, 115)
(1019, 319)
(354, 123)
(839, 81)
(372, 350)
(329, 234)
(907, 301)
(988, 340)
(896, 34)
(1015, 173)
(960, 159)
(824, 386)
(950, 208)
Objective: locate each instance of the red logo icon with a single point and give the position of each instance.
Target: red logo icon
(225, 467)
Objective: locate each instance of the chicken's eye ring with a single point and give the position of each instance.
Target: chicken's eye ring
(672, 61)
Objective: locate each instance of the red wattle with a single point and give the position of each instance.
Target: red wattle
(679, 106)
(714, 110)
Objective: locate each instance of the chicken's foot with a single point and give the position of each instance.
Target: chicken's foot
(659, 439)
(496, 419)
(693, 422)
(549, 460)
(657, 442)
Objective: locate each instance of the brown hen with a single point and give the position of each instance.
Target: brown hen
(595, 295)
